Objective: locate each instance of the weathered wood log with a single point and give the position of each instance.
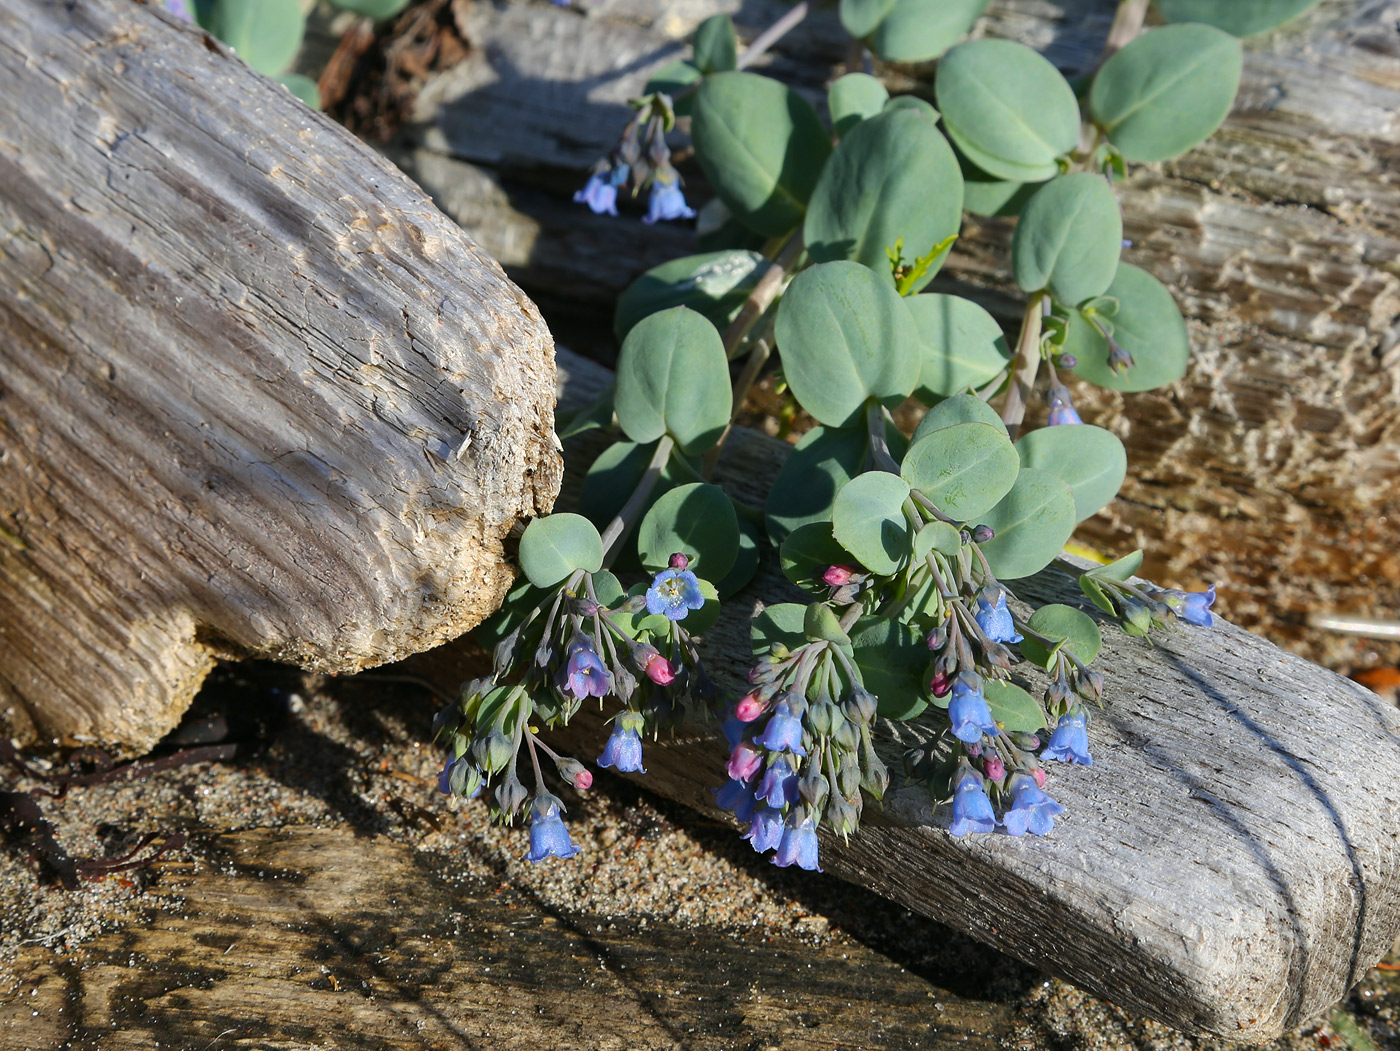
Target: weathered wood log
(1270, 467)
(259, 396)
(303, 937)
(1228, 865)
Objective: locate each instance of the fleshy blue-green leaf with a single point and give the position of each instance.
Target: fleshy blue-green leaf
(673, 378)
(751, 542)
(302, 86)
(1167, 91)
(985, 194)
(762, 147)
(920, 30)
(614, 475)
(1076, 628)
(960, 408)
(822, 462)
(963, 345)
(846, 336)
(859, 17)
(781, 622)
(696, 520)
(1148, 326)
(551, 548)
(378, 10)
(892, 177)
(822, 625)
(852, 99)
(266, 34)
(807, 553)
(672, 79)
(964, 469)
(1240, 17)
(1032, 524)
(1119, 569)
(716, 50)
(916, 104)
(714, 284)
(1090, 459)
(1068, 239)
(1012, 708)
(892, 660)
(868, 520)
(1007, 109)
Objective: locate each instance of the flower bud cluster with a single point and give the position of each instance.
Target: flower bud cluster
(801, 751)
(641, 158)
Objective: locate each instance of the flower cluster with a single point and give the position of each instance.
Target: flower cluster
(566, 649)
(636, 165)
(801, 751)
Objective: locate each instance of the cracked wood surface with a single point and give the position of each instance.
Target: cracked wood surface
(1228, 865)
(1270, 468)
(240, 361)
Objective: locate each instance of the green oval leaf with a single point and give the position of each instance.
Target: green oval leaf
(1148, 326)
(1059, 623)
(963, 345)
(761, 145)
(781, 622)
(892, 177)
(697, 520)
(302, 86)
(1032, 524)
(714, 284)
(375, 9)
(673, 378)
(822, 625)
(1090, 459)
(822, 462)
(746, 560)
(1119, 569)
(892, 660)
(846, 336)
(964, 469)
(266, 34)
(920, 30)
(1240, 17)
(1012, 708)
(1007, 108)
(551, 548)
(852, 99)
(859, 17)
(807, 553)
(960, 408)
(1068, 239)
(868, 520)
(937, 536)
(715, 48)
(1167, 91)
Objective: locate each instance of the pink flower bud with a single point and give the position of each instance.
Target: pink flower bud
(749, 708)
(838, 576)
(659, 670)
(679, 561)
(583, 780)
(940, 684)
(1039, 776)
(994, 768)
(745, 761)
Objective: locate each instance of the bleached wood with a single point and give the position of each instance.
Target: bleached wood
(1271, 467)
(241, 359)
(1228, 865)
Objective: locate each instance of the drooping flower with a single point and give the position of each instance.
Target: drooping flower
(972, 810)
(745, 761)
(995, 619)
(623, 749)
(738, 798)
(666, 200)
(674, 593)
(784, 729)
(1061, 406)
(968, 711)
(599, 193)
(585, 675)
(548, 836)
(1031, 809)
(798, 846)
(1070, 741)
(779, 785)
(1192, 606)
(765, 829)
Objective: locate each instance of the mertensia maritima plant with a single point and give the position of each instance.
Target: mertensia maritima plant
(818, 248)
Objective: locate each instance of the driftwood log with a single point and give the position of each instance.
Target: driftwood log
(1228, 865)
(259, 397)
(1270, 468)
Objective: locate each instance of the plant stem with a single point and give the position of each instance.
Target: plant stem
(879, 441)
(773, 34)
(762, 296)
(631, 511)
(1027, 366)
(1127, 24)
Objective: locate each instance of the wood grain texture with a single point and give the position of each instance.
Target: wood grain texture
(1228, 865)
(1270, 468)
(311, 938)
(239, 356)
